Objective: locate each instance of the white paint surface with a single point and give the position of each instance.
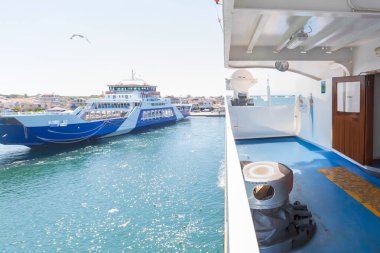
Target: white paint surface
(260, 122)
(365, 58)
(321, 131)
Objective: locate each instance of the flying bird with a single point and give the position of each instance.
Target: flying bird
(80, 36)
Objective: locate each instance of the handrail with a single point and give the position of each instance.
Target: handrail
(33, 113)
(240, 233)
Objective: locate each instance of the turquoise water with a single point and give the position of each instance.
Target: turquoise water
(157, 191)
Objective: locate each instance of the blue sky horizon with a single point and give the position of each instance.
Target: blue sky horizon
(176, 45)
(165, 42)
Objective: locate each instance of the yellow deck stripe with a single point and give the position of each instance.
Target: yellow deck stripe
(358, 188)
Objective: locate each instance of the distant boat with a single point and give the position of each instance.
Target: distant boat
(185, 109)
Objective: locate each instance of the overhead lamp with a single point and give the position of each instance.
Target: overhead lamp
(297, 39)
(282, 65)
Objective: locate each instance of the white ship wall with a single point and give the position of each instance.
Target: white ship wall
(43, 119)
(321, 132)
(365, 58)
(260, 122)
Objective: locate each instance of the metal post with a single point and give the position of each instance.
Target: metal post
(268, 93)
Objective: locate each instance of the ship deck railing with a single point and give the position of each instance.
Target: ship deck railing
(33, 113)
(240, 234)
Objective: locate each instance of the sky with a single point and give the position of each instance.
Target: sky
(177, 45)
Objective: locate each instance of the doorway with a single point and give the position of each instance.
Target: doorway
(353, 113)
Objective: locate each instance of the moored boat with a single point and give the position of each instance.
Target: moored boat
(185, 109)
(128, 106)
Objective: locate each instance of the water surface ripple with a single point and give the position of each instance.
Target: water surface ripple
(155, 191)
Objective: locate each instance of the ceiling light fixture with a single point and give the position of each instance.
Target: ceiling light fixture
(282, 65)
(297, 39)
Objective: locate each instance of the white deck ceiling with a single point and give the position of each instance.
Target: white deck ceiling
(257, 32)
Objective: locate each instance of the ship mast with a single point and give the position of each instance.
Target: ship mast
(133, 75)
(268, 93)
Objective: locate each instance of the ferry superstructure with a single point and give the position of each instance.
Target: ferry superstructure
(319, 155)
(130, 105)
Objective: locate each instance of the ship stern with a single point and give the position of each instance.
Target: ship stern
(13, 132)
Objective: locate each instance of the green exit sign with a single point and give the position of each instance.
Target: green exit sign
(323, 87)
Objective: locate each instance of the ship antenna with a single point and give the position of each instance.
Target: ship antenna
(268, 93)
(133, 75)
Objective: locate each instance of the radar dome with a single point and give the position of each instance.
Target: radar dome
(242, 80)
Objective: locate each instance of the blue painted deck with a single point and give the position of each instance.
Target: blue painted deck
(343, 224)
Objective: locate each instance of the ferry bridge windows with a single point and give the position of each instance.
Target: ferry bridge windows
(102, 114)
(157, 104)
(105, 111)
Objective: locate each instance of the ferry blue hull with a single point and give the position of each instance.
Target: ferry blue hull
(73, 133)
(63, 129)
(141, 126)
(45, 135)
(144, 124)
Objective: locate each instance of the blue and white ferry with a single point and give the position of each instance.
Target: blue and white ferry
(128, 106)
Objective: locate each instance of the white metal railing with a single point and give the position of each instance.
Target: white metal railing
(273, 100)
(32, 113)
(240, 234)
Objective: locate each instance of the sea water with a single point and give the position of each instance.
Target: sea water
(155, 191)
